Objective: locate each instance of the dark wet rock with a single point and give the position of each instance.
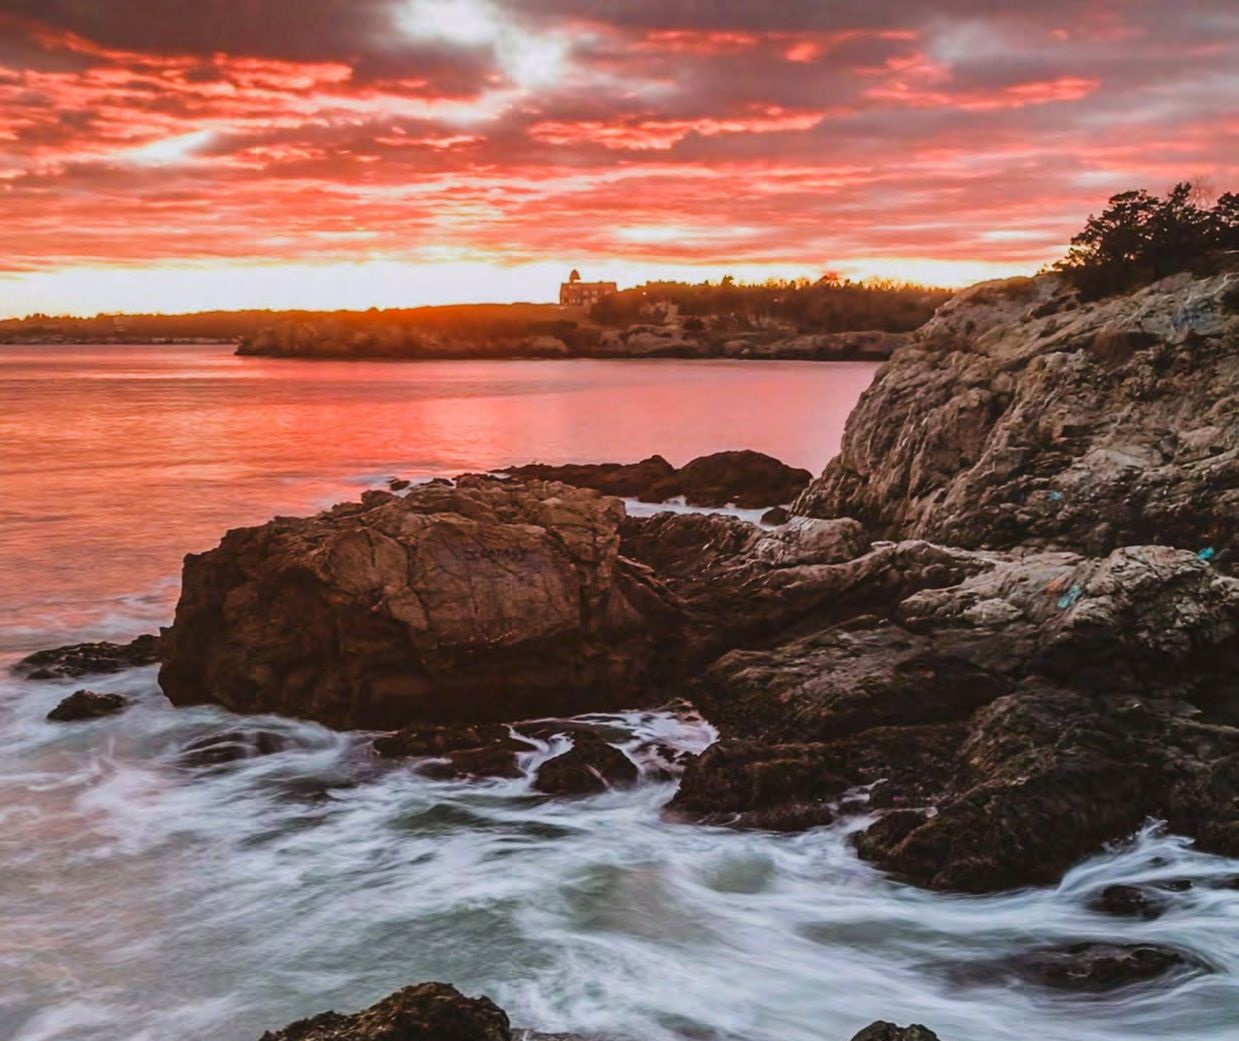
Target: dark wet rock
(882, 1031)
(776, 515)
(1002, 424)
(773, 787)
(87, 704)
(1126, 901)
(86, 659)
(745, 478)
(489, 600)
(1042, 705)
(398, 484)
(1100, 967)
(590, 766)
(426, 1012)
(481, 750)
(232, 746)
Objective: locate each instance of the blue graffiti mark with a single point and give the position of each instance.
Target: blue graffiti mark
(1071, 597)
(1206, 554)
(1185, 317)
(1056, 496)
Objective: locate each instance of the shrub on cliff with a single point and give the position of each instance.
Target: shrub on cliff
(1140, 238)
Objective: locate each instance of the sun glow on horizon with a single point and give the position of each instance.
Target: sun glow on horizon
(229, 286)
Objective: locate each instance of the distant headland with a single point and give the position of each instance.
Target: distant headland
(830, 319)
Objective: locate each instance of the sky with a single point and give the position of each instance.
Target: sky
(158, 155)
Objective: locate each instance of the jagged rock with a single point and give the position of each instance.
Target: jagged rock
(489, 600)
(882, 1031)
(231, 746)
(1042, 704)
(590, 766)
(85, 659)
(483, 750)
(426, 1012)
(86, 704)
(747, 479)
(1018, 417)
(776, 515)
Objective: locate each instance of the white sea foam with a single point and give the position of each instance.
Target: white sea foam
(145, 900)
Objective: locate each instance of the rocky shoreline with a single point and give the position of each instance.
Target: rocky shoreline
(999, 632)
(324, 341)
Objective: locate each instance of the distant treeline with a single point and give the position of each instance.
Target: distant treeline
(829, 305)
(485, 321)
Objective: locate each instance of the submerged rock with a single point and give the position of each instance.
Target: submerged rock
(489, 600)
(426, 1012)
(86, 659)
(1100, 967)
(746, 479)
(86, 704)
(1125, 901)
(590, 766)
(483, 750)
(232, 746)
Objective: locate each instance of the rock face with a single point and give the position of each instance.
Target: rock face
(1017, 416)
(85, 659)
(751, 480)
(426, 1012)
(86, 704)
(489, 600)
(1012, 713)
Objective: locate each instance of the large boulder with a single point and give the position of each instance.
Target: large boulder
(487, 600)
(1017, 416)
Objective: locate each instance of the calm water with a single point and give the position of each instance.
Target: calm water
(116, 461)
(145, 900)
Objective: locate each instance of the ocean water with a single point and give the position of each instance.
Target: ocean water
(145, 898)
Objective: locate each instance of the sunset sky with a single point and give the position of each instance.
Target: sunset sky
(168, 155)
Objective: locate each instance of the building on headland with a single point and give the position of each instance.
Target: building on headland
(575, 293)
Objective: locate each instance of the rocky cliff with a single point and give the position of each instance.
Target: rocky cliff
(1019, 416)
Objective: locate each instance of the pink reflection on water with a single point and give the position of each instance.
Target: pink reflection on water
(115, 461)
